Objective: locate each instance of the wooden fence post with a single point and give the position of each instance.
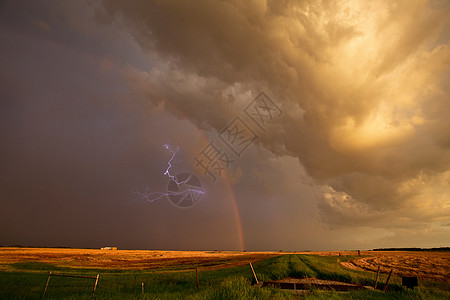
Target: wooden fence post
(196, 276)
(95, 286)
(387, 281)
(254, 274)
(378, 274)
(142, 289)
(46, 285)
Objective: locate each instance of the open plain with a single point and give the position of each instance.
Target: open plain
(432, 265)
(129, 259)
(143, 274)
(429, 265)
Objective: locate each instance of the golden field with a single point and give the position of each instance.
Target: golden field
(426, 264)
(129, 259)
(429, 265)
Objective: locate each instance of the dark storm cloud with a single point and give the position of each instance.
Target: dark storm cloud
(91, 90)
(75, 144)
(364, 86)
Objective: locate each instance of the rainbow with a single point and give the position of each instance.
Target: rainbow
(228, 182)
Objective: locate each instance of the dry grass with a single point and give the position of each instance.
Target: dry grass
(427, 265)
(129, 259)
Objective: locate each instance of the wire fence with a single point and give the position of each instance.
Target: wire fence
(39, 285)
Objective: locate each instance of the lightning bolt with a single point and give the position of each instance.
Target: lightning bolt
(150, 196)
(167, 172)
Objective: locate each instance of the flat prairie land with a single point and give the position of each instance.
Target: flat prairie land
(129, 259)
(431, 265)
(221, 274)
(427, 264)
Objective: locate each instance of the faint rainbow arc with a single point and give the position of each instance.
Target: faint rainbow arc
(180, 114)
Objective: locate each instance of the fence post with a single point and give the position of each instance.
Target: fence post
(46, 285)
(254, 274)
(387, 281)
(95, 286)
(142, 289)
(196, 276)
(378, 274)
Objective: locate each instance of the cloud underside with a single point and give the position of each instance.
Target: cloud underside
(364, 87)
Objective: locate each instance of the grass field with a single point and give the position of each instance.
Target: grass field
(24, 276)
(128, 259)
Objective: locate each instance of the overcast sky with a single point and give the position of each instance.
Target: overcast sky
(348, 147)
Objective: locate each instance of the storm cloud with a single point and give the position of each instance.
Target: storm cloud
(91, 90)
(364, 87)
